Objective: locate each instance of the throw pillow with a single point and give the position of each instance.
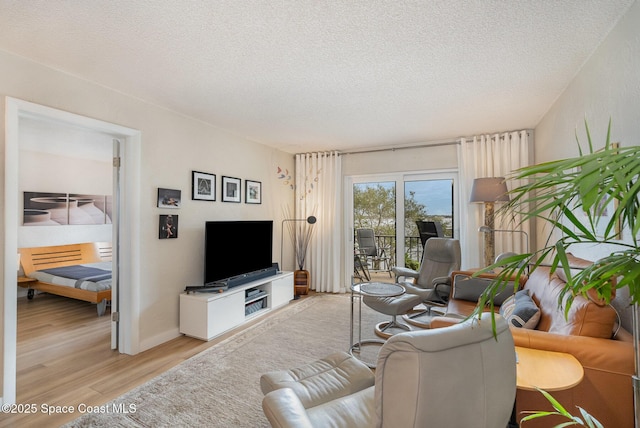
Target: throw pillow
(466, 287)
(520, 310)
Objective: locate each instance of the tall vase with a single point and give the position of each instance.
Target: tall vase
(301, 280)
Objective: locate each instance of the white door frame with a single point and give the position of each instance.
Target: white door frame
(129, 227)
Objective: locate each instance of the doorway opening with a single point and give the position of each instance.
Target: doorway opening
(18, 114)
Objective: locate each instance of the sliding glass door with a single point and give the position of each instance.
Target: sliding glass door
(392, 205)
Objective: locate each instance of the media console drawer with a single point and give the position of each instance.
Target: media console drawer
(207, 315)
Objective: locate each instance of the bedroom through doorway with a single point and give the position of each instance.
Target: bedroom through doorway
(52, 151)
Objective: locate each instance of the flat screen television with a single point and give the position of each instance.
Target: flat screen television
(236, 248)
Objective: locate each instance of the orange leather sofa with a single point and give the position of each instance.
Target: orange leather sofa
(590, 332)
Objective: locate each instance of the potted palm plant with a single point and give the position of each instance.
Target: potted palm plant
(571, 196)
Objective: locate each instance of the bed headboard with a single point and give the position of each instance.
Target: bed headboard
(38, 258)
(105, 250)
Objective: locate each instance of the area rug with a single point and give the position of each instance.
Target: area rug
(220, 387)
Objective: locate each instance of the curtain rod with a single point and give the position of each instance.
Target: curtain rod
(423, 145)
(393, 149)
(434, 144)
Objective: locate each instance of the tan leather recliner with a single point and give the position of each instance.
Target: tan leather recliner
(459, 376)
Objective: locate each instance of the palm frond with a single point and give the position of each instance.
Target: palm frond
(586, 420)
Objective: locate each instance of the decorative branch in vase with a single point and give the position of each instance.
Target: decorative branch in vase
(301, 232)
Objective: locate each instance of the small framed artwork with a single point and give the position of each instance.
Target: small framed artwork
(203, 186)
(168, 226)
(169, 198)
(230, 189)
(252, 192)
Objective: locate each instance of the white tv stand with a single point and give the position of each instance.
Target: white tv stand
(207, 315)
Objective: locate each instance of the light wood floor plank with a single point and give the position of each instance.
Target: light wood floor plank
(64, 359)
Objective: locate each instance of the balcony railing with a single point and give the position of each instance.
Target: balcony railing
(412, 247)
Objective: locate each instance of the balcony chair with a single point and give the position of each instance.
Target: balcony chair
(457, 376)
(430, 285)
(360, 270)
(369, 252)
(429, 229)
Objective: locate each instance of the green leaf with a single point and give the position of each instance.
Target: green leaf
(536, 415)
(589, 420)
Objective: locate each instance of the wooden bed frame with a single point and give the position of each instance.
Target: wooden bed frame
(33, 259)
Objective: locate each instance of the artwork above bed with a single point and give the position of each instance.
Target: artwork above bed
(53, 209)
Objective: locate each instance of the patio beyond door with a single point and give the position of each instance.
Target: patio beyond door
(374, 226)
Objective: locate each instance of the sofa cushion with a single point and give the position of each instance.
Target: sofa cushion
(520, 310)
(584, 318)
(469, 288)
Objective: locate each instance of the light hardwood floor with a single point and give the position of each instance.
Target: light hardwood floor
(64, 359)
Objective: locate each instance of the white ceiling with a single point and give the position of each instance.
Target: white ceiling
(306, 75)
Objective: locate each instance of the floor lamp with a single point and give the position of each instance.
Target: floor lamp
(489, 190)
(487, 229)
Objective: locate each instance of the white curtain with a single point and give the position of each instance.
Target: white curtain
(481, 156)
(318, 181)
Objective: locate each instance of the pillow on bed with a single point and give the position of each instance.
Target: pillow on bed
(520, 310)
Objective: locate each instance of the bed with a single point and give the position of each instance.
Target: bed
(77, 271)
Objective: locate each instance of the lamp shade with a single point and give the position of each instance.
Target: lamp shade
(489, 189)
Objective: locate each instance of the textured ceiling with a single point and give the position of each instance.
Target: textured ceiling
(305, 75)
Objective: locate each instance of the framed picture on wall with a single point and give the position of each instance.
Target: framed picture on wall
(203, 186)
(230, 189)
(169, 198)
(168, 226)
(252, 192)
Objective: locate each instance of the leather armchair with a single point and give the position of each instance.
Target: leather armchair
(430, 285)
(432, 282)
(457, 376)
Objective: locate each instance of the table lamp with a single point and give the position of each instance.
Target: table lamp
(489, 190)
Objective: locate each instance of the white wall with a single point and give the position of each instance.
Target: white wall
(59, 158)
(172, 146)
(607, 87)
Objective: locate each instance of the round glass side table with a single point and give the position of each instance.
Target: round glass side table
(374, 289)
